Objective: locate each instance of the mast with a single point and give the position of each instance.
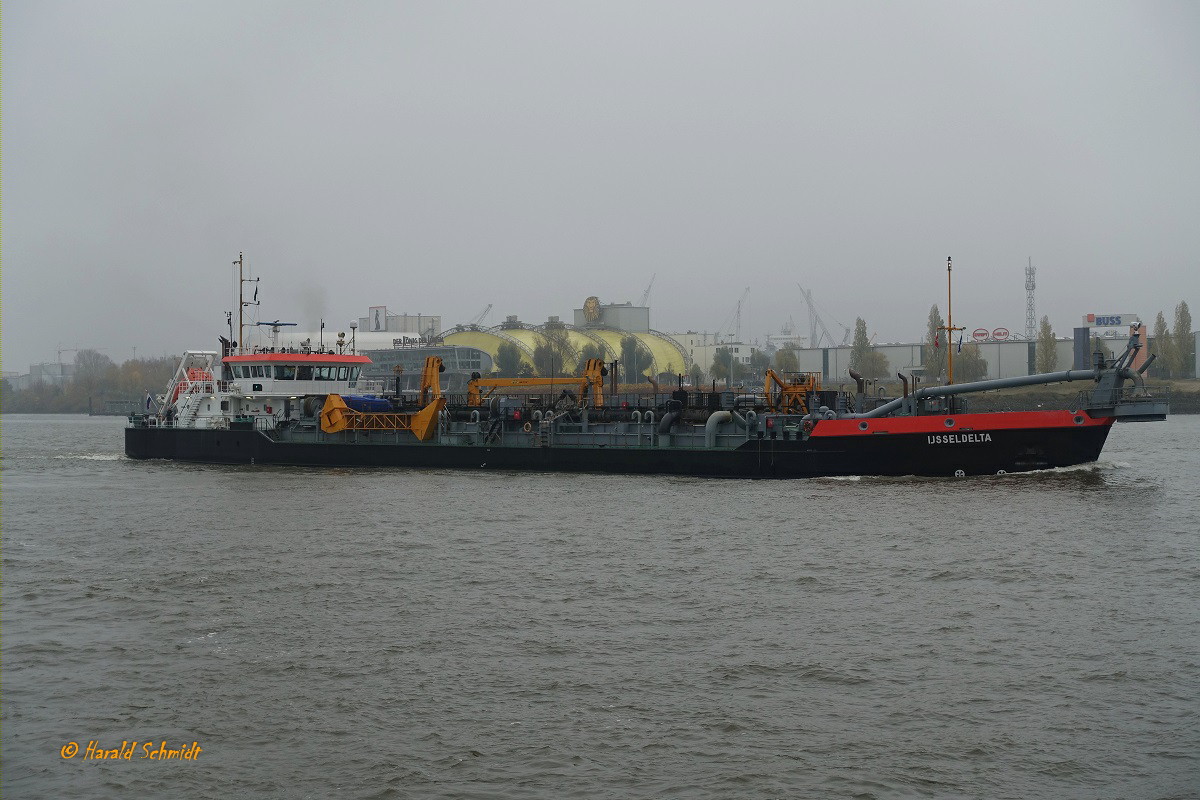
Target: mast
(949, 326)
(242, 302)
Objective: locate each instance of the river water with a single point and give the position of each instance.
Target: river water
(433, 634)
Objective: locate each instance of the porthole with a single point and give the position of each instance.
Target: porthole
(862, 426)
(958, 473)
(1078, 419)
(949, 422)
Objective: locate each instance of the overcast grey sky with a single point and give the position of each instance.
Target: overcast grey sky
(435, 157)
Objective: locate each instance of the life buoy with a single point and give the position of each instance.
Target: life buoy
(527, 427)
(808, 427)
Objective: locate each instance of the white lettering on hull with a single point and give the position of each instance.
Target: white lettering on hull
(959, 438)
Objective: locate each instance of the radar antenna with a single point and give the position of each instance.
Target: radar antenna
(275, 326)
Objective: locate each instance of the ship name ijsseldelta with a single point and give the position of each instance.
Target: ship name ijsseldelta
(959, 438)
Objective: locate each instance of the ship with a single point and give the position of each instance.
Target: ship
(303, 406)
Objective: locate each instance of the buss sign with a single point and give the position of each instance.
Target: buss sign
(1110, 320)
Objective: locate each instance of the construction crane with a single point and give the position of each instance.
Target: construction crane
(481, 316)
(815, 321)
(737, 317)
(62, 350)
(734, 322)
(646, 294)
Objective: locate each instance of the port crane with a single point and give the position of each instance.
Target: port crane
(480, 317)
(736, 319)
(815, 321)
(60, 350)
(646, 294)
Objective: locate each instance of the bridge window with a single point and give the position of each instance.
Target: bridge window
(285, 372)
(343, 373)
(304, 372)
(256, 371)
(324, 373)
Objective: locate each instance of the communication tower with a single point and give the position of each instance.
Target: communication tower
(1030, 310)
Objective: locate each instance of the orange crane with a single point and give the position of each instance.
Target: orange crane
(793, 394)
(593, 377)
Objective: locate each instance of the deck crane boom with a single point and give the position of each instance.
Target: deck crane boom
(592, 379)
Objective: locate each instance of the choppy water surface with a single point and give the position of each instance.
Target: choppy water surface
(435, 634)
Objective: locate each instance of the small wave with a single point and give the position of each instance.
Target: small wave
(1063, 769)
(813, 672)
(90, 457)
(948, 575)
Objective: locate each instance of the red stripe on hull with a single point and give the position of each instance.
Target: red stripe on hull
(965, 423)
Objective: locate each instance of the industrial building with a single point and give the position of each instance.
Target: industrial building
(702, 348)
(600, 329)
(47, 373)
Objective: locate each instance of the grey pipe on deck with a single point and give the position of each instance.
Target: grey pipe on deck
(715, 420)
(981, 386)
(668, 421)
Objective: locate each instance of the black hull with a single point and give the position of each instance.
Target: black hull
(1010, 450)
